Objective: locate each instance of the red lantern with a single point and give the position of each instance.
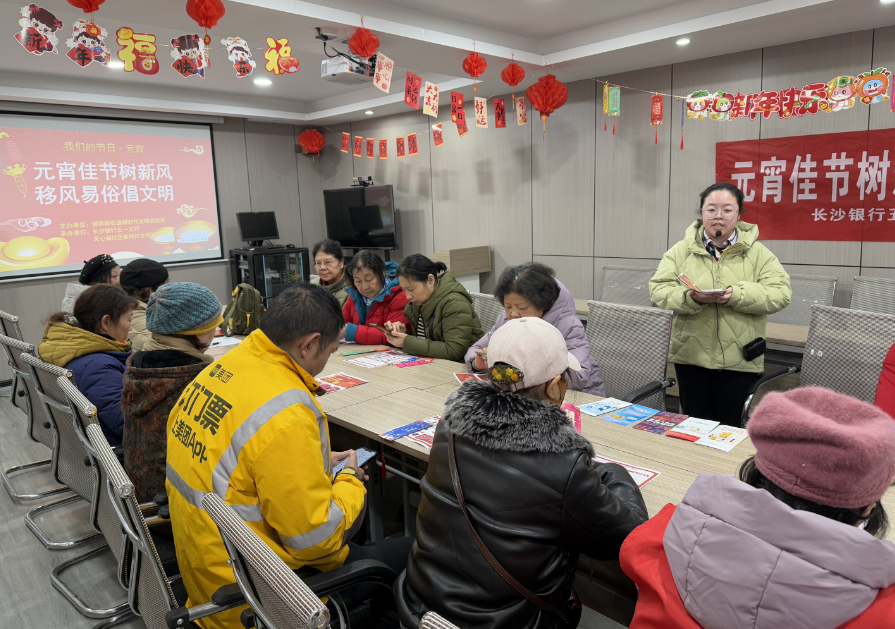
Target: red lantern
(206, 13)
(513, 75)
(312, 141)
(547, 95)
(87, 6)
(475, 65)
(363, 43)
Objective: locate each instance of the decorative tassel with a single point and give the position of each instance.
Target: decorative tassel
(613, 127)
(657, 136)
(682, 139)
(604, 123)
(382, 473)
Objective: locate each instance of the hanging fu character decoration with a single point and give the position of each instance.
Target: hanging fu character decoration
(138, 52)
(88, 44)
(240, 55)
(38, 34)
(188, 52)
(279, 57)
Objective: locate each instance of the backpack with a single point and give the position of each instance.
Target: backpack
(243, 314)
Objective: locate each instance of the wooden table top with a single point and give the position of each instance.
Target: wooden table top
(397, 396)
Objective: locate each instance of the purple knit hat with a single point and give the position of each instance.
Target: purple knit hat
(824, 446)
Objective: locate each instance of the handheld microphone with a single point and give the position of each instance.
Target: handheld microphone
(718, 234)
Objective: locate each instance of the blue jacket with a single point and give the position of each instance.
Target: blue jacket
(100, 377)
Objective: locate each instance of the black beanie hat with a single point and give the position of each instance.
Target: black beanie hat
(96, 266)
(143, 272)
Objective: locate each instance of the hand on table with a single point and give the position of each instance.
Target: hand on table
(396, 338)
(395, 326)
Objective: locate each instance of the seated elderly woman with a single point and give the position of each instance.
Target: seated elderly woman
(509, 475)
(532, 290)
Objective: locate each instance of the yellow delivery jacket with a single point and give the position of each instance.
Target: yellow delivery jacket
(249, 429)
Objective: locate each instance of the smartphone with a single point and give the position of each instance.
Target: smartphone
(363, 457)
(380, 328)
(482, 352)
(709, 291)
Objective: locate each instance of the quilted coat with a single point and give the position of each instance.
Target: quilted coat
(713, 335)
(388, 305)
(731, 556)
(564, 318)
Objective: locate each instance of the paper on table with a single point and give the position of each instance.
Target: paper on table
(693, 429)
(640, 475)
(340, 380)
(661, 422)
(222, 341)
(629, 415)
(427, 436)
(409, 429)
(604, 406)
(380, 359)
(573, 413)
(724, 438)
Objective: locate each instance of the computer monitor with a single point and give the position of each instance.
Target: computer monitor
(256, 227)
(361, 217)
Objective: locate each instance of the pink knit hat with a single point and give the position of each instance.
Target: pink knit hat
(824, 446)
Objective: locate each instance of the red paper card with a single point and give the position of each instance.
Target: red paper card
(657, 106)
(346, 142)
(383, 149)
(437, 136)
(399, 146)
(456, 104)
(358, 146)
(500, 114)
(371, 148)
(462, 128)
(412, 90)
(411, 145)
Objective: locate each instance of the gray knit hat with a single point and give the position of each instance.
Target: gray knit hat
(183, 308)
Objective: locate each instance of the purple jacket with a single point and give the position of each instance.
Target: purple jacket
(742, 559)
(564, 318)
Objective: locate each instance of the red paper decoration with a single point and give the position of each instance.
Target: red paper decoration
(547, 95)
(206, 13)
(363, 43)
(513, 74)
(475, 65)
(312, 141)
(87, 6)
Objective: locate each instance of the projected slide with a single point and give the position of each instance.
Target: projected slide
(73, 188)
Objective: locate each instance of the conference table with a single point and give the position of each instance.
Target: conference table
(394, 396)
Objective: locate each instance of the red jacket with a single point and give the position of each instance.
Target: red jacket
(885, 390)
(659, 605)
(388, 307)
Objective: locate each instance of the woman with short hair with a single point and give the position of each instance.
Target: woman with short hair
(716, 337)
(101, 269)
(374, 297)
(532, 491)
(329, 265)
(532, 290)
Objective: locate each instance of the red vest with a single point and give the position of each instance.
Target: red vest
(659, 605)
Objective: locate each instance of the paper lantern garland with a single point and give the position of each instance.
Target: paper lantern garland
(547, 95)
(87, 6)
(475, 65)
(364, 43)
(513, 75)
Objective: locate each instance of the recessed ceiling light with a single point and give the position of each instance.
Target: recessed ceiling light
(115, 65)
(263, 82)
(887, 1)
(683, 41)
(369, 112)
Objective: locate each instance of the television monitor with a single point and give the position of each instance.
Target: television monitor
(361, 217)
(256, 227)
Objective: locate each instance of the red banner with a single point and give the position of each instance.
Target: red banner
(437, 135)
(399, 146)
(371, 148)
(411, 145)
(456, 103)
(500, 114)
(383, 149)
(412, 87)
(358, 146)
(815, 187)
(346, 142)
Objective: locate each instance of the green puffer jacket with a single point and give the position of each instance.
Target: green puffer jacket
(713, 335)
(451, 323)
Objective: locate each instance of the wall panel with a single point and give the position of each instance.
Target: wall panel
(598, 269)
(481, 193)
(232, 175)
(331, 169)
(273, 175)
(562, 174)
(632, 173)
(575, 272)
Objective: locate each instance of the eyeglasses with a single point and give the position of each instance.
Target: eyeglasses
(321, 263)
(726, 212)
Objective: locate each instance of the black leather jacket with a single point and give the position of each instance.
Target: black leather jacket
(534, 496)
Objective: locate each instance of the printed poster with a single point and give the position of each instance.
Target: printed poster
(521, 111)
(430, 100)
(500, 114)
(412, 90)
(382, 78)
(481, 112)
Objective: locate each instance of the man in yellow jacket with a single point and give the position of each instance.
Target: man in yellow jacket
(249, 429)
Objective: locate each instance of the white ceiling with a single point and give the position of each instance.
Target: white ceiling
(573, 39)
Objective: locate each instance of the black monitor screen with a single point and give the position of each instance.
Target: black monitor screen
(361, 217)
(257, 226)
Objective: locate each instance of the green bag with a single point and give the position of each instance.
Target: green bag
(243, 314)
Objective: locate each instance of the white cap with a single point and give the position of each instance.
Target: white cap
(534, 347)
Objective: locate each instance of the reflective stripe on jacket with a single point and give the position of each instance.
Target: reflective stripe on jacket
(249, 429)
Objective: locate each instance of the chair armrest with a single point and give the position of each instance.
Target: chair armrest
(247, 618)
(161, 498)
(228, 595)
(766, 377)
(645, 391)
(349, 575)
(181, 617)
(164, 512)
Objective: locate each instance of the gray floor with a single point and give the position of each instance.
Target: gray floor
(29, 598)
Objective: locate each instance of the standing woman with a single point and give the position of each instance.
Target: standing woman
(329, 262)
(140, 278)
(101, 269)
(443, 322)
(711, 331)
